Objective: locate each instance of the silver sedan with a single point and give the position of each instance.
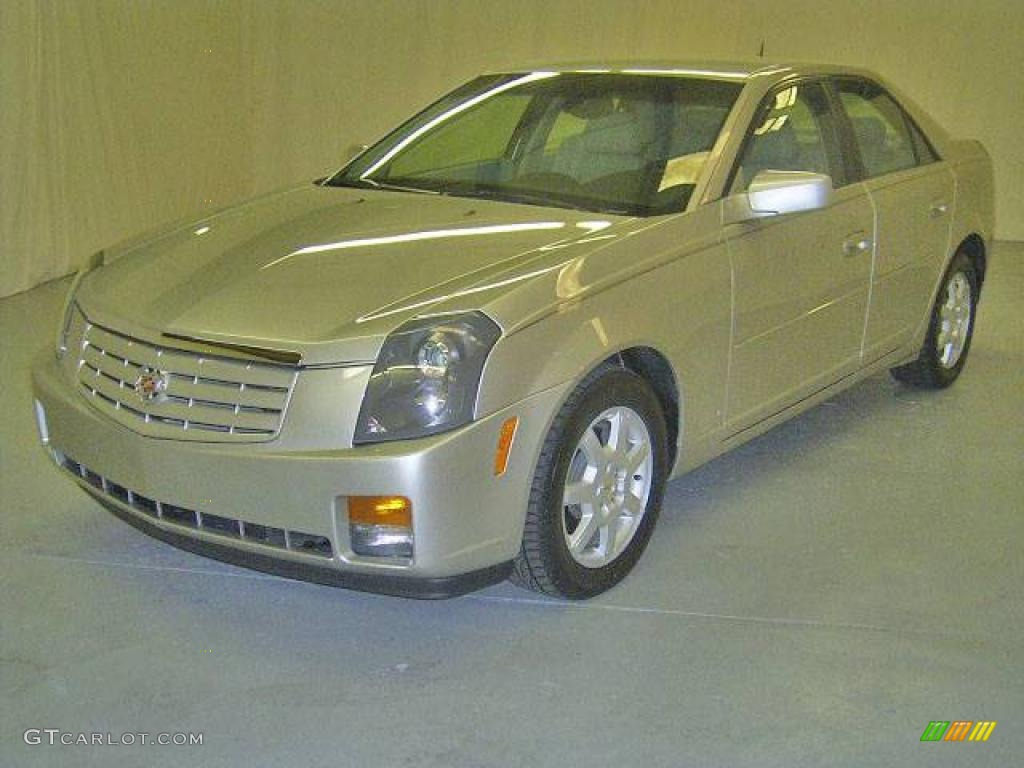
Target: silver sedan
(482, 347)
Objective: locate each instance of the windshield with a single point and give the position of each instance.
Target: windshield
(616, 143)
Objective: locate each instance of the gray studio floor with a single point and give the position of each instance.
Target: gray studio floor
(815, 598)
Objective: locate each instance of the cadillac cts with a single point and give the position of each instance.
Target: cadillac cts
(481, 348)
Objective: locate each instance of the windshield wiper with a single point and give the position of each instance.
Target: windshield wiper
(536, 198)
(512, 196)
(400, 188)
(341, 181)
(371, 184)
(504, 194)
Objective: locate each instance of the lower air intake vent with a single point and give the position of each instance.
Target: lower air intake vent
(264, 535)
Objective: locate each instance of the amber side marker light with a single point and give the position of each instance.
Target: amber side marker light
(505, 438)
(380, 526)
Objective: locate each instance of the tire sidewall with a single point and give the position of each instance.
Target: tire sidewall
(618, 387)
(945, 376)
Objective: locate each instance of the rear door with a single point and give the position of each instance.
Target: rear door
(800, 281)
(913, 192)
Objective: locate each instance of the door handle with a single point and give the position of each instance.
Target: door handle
(938, 209)
(856, 244)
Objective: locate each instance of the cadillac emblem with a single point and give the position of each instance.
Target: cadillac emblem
(150, 384)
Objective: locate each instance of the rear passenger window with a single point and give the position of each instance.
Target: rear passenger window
(881, 130)
(792, 132)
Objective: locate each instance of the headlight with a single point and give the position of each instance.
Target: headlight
(95, 262)
(426, 378)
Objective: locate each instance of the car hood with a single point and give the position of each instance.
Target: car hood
(324, 272)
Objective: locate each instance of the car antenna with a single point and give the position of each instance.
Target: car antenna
(760, 53)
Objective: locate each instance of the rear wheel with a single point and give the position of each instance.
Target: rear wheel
(597, 488)
(948, 340)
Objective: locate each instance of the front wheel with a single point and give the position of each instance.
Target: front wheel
(948, 340)
(597, 488)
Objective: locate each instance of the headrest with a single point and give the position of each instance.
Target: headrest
(696, 129)
(591, 107)
(621, 133)
(870, 131)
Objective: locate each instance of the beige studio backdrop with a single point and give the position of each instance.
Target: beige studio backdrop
(117, 115)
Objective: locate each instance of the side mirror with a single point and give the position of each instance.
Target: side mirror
(776, 193)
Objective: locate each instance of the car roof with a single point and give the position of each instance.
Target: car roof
(760, 74)
(727, 70)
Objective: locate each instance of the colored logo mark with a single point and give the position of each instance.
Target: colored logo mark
(958, 730)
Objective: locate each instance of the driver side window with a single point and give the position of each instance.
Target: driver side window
(791, 132)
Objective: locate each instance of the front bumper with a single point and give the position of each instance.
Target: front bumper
(281, 507)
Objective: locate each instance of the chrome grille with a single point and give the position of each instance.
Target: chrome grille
(203, 397)
(253, 533)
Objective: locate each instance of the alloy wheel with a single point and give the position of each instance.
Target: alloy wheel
(607, 487)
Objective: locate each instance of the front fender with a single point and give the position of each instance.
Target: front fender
(680, 307)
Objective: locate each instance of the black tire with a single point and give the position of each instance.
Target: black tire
(928, 370)
(544, 563)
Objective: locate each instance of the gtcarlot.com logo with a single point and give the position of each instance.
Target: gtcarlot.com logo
(958, 730)
(55, 736)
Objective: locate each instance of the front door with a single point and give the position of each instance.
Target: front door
(800, 281)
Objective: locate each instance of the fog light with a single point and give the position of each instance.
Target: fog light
(380, 526)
